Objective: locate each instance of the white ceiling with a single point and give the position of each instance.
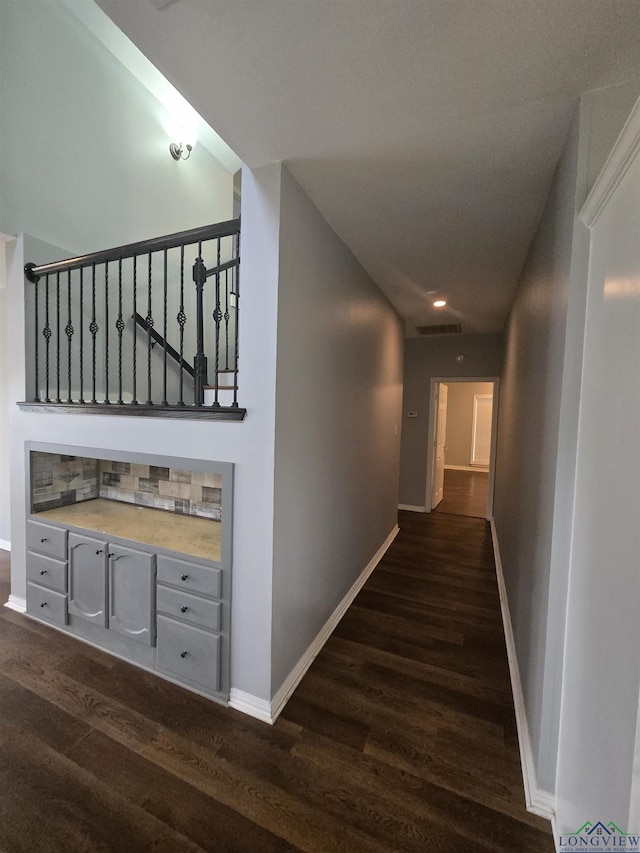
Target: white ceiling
(426, 131)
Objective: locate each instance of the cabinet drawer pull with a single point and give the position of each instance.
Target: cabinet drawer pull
(184, 577)
(183, 654)
(184, 608)
(44, 539)
(98, 552)
(43, 571)
(110, 555)
(43, 604)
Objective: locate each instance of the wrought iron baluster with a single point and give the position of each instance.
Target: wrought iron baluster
(106, 333)
(120, 329)
(149, 321)
(69, 333)
(82, 334)
(134, 391)
(93, 328)
(200, 361)
(58, 398)
(217, 316)
(227, 316)
(236, 288)
(165, 402)
(36, 336)
(182, 319)
(47, 336)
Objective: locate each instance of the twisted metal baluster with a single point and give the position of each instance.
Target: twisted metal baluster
(164, 346)
(93, 328)
(120, 329)
(236, 288)
(69, 333)
(217, 316)
(182, 319)
(135, 329)
(106, 333)
(47, 336)
(58, 399)
(227, 316)
(82, 334)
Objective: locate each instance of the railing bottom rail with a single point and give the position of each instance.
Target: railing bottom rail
(137, 410)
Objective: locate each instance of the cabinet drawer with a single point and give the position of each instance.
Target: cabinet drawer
(46, 604)
(191, 608)
(189, 653)
(190, 577)
(47, 539)
(46, 571)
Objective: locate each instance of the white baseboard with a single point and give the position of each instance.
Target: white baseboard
(412, 508)
(268, 712)
(538, 801)
(251, 705)
(5, 545)
(17, 604)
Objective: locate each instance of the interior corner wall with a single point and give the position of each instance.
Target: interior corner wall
(5, 455)
(338, 405)
(85, 147)
(425, 359)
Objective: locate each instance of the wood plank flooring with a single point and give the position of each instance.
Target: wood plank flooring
(465, 493)
(400, 738)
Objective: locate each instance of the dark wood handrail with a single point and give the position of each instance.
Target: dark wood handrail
(142, 247)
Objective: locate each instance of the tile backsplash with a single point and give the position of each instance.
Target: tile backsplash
(58, 480)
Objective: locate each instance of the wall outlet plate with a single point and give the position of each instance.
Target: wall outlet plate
(413, 414)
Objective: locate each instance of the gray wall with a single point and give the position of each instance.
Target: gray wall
(459, 436)
(538, 422)
(339, 390)
(424, 359)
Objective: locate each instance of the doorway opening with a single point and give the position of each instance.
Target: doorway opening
(462, 433)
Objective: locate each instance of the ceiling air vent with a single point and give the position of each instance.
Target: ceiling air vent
(442, 329)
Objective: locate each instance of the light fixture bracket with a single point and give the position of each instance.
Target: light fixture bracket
(177, 150)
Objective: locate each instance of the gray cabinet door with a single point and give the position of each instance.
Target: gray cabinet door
(88, 578)
(131, 593)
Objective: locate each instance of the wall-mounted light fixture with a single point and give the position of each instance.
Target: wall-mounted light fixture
(177, 150)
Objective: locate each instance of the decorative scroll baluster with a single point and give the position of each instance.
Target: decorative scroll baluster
(47, 336)
(135, 330)
(58, 398)
(217, 317)
(120, 329)
(69, 333)
(82, 334)
(149, 321)
(93, 328)
(106, 334)
(182, 319)
(36, 396)
(165, 402)
(200, 361)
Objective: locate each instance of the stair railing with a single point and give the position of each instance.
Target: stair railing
(104, 325)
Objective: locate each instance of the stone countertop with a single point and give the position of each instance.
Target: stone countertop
(197, 537)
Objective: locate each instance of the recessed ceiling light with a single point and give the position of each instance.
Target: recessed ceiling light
(439, 303)
(431, 292)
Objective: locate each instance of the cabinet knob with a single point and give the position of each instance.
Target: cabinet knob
(184, 608)
(184, 577)
(43, 571)
(44, 539)
(99, 551)
(43, 604)
(183, 654)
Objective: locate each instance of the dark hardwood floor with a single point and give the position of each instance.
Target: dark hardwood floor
(401, 737)
(465, 493)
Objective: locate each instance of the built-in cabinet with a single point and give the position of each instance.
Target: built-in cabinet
(158, 609)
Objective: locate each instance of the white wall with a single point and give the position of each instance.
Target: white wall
(5, 520)
(338, 406)
(602, 664)
(424, 359)
(538, 424)
(459, 437)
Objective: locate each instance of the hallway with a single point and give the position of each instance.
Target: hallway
(401, 737)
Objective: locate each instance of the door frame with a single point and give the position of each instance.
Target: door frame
(433, 414)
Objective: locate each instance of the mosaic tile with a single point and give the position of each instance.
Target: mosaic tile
(121, 467)
(109, 479)
(211, 495)
(148, 485)
(139, 470)
(158, 472)
(180, 475)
